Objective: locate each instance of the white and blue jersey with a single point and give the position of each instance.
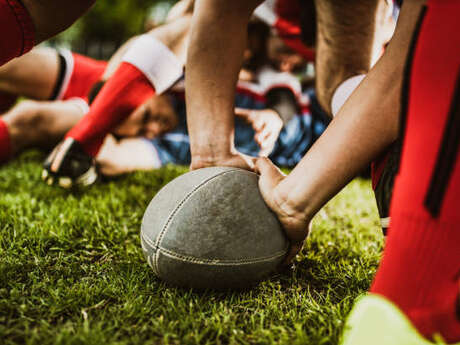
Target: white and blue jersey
(296, 137)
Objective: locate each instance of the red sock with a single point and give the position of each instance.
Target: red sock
(125, 91)
(7, 100)
(420, 270)
(17, 32)
(5, 143)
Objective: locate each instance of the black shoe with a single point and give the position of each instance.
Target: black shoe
(69, 165)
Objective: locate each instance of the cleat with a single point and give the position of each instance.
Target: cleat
(69, 165)
(376, 321)
(88, 178)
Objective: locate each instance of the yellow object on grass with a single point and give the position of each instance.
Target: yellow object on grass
(376, 321)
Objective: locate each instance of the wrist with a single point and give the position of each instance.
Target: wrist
(292, 208)
(209, 156)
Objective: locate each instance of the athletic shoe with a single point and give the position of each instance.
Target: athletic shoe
(72, 166)
(376, 321)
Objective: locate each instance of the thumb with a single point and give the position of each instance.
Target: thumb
(270, 175)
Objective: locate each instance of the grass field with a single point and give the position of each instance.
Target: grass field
(72, 271)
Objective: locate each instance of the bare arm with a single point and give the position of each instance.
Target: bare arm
(180, 9)
(217, 41)
(364, 126)
(125, 156)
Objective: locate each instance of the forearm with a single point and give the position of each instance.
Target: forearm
(180, 9)
(366, 124)
(218, 38)
(356, 136)
(125, 156)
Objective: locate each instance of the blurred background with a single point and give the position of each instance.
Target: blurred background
(111, 22)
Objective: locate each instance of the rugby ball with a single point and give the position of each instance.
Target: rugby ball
(211, 229)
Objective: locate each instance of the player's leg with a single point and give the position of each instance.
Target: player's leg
(349, 43)
(7, 100)
(37, 124)
(116, 156)
(421, 264)
(33, 75)
(150, 65)
(81, 75)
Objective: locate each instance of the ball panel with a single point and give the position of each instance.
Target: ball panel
(210, 228)
(170, 196)
(224, 210)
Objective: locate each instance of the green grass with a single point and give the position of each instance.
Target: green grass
(72, 271)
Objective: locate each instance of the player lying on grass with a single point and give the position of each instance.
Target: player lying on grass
(65, 76)
(45, 74)
(58, 85)
(155, 133)
(53, 81)
(149, 67)
(419, 272)
(151, 64)
(259, 131)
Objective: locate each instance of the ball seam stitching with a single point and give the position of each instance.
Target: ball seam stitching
(187, 258)
(166, 226)
(192, 259)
